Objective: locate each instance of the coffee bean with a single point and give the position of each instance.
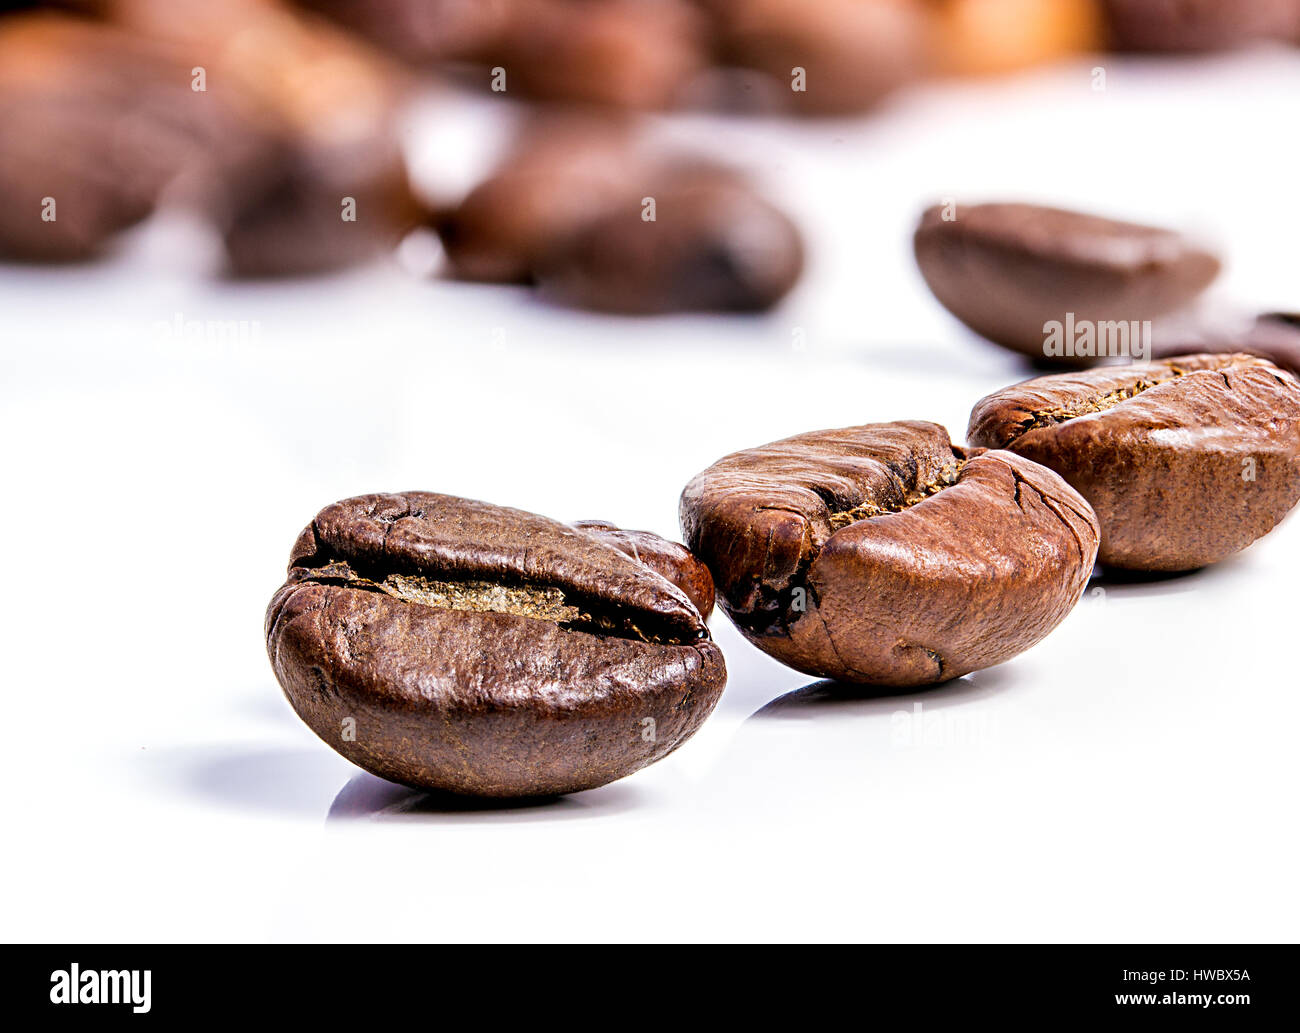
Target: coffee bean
(884, 554)
(1198, 25)
(560, 174)
(713, 245)
(1185, 461)
(329, 187)
(1008, 271)
(634, 54)
(451, 644)
(581, 207)
(94, 125)
(668, 559)
(827, 56)
(291, 222)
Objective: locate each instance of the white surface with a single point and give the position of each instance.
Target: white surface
(1131, 778)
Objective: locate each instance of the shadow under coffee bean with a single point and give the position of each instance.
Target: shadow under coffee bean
(884, 554)
(1185, 461)
(454, 645)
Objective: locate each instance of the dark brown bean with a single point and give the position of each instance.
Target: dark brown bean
(1185, 461)
(1009, 270)
(713, 245)
(562, 173)
(330, 189)
(454, 645)
(826, 56)
(884, 554)
(94, 125)
(601, 223)
(632, 54)
(292, 222)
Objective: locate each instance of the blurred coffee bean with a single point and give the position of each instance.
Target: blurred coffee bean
(1009, 270)
(562, 172)
(332, 189)
(636, 54)
(315, 84)
(582, 207)
(713, 244)
(829, 56)
(1198, 25)
(300, 223)
(94, 125)
(979, 37)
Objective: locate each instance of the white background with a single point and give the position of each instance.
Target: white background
(1133, 777)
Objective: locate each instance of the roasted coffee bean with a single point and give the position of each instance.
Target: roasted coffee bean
(94, 125)
(561, 173)
(601, 222)
(292, 222)
(981, 37)
(1198, 25)
(1185, 461)
(330, 189)
(1010, 271)
(827, 56)
(884, 554)
(454, 645)
(665, 558)
(713, 245)
(634, 54)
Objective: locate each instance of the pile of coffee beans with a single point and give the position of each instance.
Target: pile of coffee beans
(278, 122)
(803, 57)
(272, 127)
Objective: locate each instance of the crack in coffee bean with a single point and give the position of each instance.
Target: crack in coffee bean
(1053, 417)
(911, 497)
(536, 602)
